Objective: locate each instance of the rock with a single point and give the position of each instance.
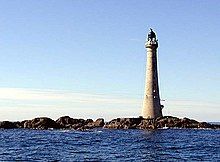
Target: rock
(215, 126)
(79, 124)
(98, 123)
(41, 123)
(189, 123)
(174, 122)
(147, 124)
(88, 121)
(113, 124)
(168, 121)
(67, 122)
(19, 124)
(22, 123)
(123, 123)
(8, 125)
(205, 125)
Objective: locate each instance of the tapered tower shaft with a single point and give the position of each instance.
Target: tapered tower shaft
(151, 105)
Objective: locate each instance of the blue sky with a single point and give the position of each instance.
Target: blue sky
(87, 58)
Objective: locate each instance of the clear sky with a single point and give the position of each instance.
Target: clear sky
(87, 58)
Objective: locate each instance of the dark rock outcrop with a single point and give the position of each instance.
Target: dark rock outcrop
(161, 122)
(174, 122)
(215, 126)
(94, 124)
(123, 123)
(67, 122)
(147, 124)
(168, 121)
(41, 123)
(19, 124)
(8, 125)
(99, 122)
(207, 125)
(79, 124)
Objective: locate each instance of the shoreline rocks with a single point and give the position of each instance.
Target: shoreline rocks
(67, 122)
(40, 123)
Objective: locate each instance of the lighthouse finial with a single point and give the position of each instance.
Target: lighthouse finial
(151, 34)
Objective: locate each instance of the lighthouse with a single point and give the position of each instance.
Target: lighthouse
(152, 107)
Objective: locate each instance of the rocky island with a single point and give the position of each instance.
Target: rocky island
(67, 122)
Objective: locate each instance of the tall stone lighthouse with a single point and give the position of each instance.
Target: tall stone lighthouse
(151, 105)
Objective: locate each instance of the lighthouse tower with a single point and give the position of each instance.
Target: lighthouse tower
(151, 106)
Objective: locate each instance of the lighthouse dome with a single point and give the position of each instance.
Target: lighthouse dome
(151, 34)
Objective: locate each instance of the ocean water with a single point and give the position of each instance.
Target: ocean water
(110, 145)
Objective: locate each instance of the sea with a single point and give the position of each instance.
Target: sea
(110, 145)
